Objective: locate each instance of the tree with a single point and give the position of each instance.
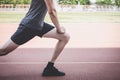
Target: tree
(74, 2)
(100, 2)
(1, 1)
(26, 1)
(104, 2)
(117, 2)
(6, 1)
(108, 2)
(67, 2)
(15, 1)
(63, 2)
(84, 2)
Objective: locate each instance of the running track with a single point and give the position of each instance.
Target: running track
(78, 63)
(90, 58)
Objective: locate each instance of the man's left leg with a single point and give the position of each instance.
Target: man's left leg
(63, 39)
(8, 47)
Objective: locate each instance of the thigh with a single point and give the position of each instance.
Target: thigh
(46, 28)
(53, 34)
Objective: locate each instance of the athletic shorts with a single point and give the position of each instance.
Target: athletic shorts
(24, 34)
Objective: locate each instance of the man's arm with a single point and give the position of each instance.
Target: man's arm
(53, 15)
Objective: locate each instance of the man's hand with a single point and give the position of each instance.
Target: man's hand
(61, 30)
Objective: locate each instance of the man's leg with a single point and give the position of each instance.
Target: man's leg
(8, 47)
(62, 41)
(21, 36)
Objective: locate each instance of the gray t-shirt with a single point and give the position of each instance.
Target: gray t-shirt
(35, 16)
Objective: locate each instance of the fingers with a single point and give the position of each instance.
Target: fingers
(61, 31)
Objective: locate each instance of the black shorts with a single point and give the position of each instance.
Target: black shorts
(24, 34)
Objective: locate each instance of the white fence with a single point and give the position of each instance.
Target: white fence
(10, 7)
(89, 8)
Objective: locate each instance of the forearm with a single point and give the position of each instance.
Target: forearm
(53, 15)
(54, 18)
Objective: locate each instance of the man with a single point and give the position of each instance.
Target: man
(33, 25)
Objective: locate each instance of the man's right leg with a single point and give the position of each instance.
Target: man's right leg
(8, 47)
(21, 36)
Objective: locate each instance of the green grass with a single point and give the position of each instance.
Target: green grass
(67, 17)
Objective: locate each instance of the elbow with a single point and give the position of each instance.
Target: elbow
(52, 11)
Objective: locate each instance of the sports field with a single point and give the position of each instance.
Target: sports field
(67, 17)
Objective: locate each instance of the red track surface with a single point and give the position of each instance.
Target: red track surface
(78, 63)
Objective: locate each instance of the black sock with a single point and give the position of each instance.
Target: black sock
(50, 65)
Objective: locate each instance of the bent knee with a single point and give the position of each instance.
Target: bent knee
(66, 37)
(3, 52)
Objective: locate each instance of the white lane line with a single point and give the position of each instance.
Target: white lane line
(60, 62)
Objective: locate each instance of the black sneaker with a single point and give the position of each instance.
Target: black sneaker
(52, 72)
